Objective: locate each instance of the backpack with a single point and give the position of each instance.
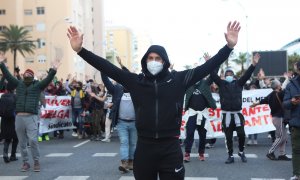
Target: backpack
(7, 105)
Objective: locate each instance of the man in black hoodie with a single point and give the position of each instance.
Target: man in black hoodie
(157, 96)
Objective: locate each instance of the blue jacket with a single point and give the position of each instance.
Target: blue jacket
(292, 89)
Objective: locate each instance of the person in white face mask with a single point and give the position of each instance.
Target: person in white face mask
(157, 96)
(230, 90)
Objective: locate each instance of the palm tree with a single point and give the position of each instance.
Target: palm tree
(16, 39)
(241, 60)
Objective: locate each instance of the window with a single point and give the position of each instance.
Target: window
(41, 58)
(41, 43)
(40, 10)
(2, 11)
(29, 60)
(27, 12)
(2, 28)
(40, 27)
(28, 28)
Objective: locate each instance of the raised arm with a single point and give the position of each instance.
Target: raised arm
(121, 76)
(242, 81)
(8, 76)
(194, 75)
(108, 84)
(44, 83)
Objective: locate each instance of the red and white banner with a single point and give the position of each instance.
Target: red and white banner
(257, 119)
(56, 115)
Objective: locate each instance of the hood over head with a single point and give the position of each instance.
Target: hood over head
(162, 53)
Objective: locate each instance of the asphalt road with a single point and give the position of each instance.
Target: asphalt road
(74, 159)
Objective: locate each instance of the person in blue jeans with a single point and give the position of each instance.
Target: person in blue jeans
(123, 115)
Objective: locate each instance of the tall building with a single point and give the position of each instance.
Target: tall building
(120, 41)
(48, 21)
(292, 47)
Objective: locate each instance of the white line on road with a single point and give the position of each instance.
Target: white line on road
(105, 154)
(265, 179)
(186, 178)
(59, 155)
(197, 155)
(247, 155)
(17, 154)
(72, 178)
(80, 144)
(13, 177)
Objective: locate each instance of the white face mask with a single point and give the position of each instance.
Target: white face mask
(154, 67)
(229, 78)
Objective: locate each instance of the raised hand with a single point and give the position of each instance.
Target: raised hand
(232, 34)
(56, 64)
(206, 56)
(2, 57)
(255, 59)
(76, 39)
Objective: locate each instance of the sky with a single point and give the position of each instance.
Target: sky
(188, 28)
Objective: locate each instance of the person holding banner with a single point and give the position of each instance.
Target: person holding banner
(28, 92)
(230, 90)
(198, 99)
(291, 101)
(157, 95)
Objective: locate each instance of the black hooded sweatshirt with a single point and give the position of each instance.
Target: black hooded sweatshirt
(157, 99)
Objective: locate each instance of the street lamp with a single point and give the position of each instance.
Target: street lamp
(67, 20)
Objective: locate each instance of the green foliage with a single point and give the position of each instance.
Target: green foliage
(292, 59)
(16, 39)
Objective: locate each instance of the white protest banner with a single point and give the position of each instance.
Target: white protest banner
(257, 119)
(56, 115)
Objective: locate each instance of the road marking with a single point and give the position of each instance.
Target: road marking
(105, 154)
(265, 179)
(17, 154)
(247, 155)
(197, 155)
(80, 144)
(186, 178)
(13, 177)
(72, 178)
(59, 155)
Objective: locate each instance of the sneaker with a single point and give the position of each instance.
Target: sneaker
(207, 146)
(25, 167)
(271, 156)
(47, 137)
(13, 158)
(105, 140)
(6, 159)
(36, 166)
(130, 164)
(284, 158)
(40, 139)
(74, 134)
(187, 157)
(243, 157)
(92, 138)
(201, 157)
(249, 142)
(255, 142)
(295, 177)
(229, 160)
(123, 166)
(79, 136)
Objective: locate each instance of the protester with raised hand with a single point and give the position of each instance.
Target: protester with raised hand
(157, 95)
(28, 93)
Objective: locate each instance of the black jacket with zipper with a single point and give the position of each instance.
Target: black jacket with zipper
(157, 99)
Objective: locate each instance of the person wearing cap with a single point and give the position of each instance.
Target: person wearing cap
(28, 94)
(230, 91)
(274, 99)
(157, 96)
(291, 101)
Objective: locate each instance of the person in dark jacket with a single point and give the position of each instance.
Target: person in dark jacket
(198, 99)
(28, 94)
(291, 101)
(275, 99)
(157, 96)
(8, 131)
(230, 91)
